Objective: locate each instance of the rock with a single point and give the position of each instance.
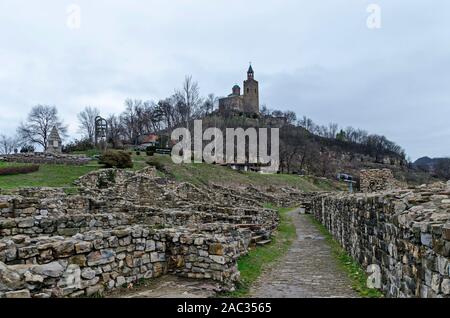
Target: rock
(445, 286)
(53, 269)
(101, 257)
(9, 279)
(435, 283)
(28, 252)
(446, 232)
(150, 246)
(4, 205)
(216, 249)
(87, 273)
(71, 280)
(64, 249)
(121, 232)
(218, 259)
(426, 239)
(93, 290)
(83, 247)
(24, 293)
(92, 282)
(19, 239)
(120, 281)
(79, 260)
(7, 224)
(26, 223)
(30, 278)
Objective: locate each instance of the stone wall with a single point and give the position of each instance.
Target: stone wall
(406, 233)
(374, 180)
(94, 261)
(46, 158)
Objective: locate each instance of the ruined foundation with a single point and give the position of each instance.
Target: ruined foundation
(125, 226)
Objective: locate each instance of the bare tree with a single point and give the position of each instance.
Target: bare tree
(291, 117)
(8, 144)
(39, 123)
(208, 104)
(129, 120)
(114, 130)
(87, 122)
(190, 99)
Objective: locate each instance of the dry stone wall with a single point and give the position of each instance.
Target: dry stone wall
(404, 233)
(374, 180)
(46, 158)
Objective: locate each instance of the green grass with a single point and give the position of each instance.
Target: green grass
(48, 176)
(252, 265)
(51, 175)
(88, 153)
(355, 272)
(204, 174)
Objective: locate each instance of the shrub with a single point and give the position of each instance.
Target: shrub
(150, 150)
(7, 171)
(116, 159)
(158, 165)
(27, 149)
(138, 153)
(79, 145)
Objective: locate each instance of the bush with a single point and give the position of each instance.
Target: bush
(27, 149)
(116, 159)
(8, 171)
(78, 146)
(150, 150)
(158, 165)
(138, 153)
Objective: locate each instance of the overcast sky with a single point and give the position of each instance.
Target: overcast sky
(317, 58)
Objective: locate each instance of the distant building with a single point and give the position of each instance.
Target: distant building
(248, 102)
(54, 142)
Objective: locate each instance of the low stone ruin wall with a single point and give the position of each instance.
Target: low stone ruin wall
(404, 233)
(94, 261)
(374, 180)
(124, 226)
(46, 158)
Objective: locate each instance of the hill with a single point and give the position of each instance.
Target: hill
(53, 175)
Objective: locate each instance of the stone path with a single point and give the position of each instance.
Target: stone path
(308, 270)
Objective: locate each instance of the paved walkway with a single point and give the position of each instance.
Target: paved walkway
(308, 270)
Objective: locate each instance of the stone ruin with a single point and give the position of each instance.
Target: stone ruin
(125, 226)
(374, 180)
(46, 158)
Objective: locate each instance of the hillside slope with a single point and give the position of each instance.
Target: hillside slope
(204, 174)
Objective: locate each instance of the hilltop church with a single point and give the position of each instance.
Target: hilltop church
(248, 103)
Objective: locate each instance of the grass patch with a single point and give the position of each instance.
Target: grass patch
(252, 265)
(355, 272)
(204, 174)
(49, 175)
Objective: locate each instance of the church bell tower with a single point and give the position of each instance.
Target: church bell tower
(251, 92)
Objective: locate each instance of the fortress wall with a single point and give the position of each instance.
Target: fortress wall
(404, 233)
